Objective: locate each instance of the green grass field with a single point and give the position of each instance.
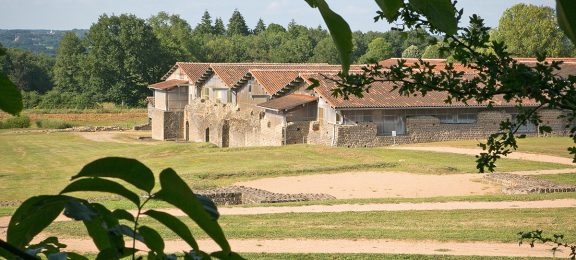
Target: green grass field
(556, 146)
(500, 225)
(46, 161)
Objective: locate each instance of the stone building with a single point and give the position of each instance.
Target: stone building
(267, 104)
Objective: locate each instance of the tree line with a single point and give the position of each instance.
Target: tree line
(119, 56)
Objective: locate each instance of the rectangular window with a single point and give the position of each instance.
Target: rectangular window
(229, 96)
(205, 93)
(528, 128)
(387, 124)
(465, 118)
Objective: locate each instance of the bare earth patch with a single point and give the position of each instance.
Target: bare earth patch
(377, 185)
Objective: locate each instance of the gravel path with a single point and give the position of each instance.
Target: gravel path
(453, 205)
(351, 246)
(514, 155)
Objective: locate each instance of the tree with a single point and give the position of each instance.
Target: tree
(496, 70)
(219, 28)
(528, 30)
(260, 27)
(412, 52)
(124, 57)
(29, 71)
(325, 51)
(68, 67)
(237, 24)
(378, 49)
(433, 52)
(205, 25)
(174, 34)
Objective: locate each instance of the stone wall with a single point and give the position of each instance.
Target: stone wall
(167, 125)
(550, 118)
(519, 184)
(297, 132)
(420, 129)
(234, 195)
(227, 125)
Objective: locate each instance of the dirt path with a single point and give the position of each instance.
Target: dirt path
(453, 205)
(514, 155)
(123, 137)
(350, 246)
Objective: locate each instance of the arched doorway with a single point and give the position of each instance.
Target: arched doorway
(187, 133)
(225, 134)
(207, 135)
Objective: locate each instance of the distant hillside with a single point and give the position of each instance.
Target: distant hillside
(41, 41)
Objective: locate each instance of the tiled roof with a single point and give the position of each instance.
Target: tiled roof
(169, 84)
(194, 71)
(439, 63)
(287, 102)
(233, 73)
(275, 79)
(382, 95)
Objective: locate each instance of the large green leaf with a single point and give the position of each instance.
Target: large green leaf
(339, 30)
(129, 170)
(174, 224)
(10, 96)
(440, 13)
(102, 185)
(123, 214)
(33, 216)
(176, 192)
(152, 239)
(79, 210)
(566, 12)
(390, 8)
(99, 229)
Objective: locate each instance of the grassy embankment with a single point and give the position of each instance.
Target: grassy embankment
(46, 161)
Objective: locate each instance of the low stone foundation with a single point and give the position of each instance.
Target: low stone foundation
(519, 184)
(235, 195)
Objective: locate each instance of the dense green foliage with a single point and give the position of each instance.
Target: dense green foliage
(528, 30)
(15, 122)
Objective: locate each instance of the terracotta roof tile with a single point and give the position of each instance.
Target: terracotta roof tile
(194, 71)
(169, 84)
(232, 73)
(288, 101)
(382, 95)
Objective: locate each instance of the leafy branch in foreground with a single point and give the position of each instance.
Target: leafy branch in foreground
(536, 236)
(106, 227)
(485, 72)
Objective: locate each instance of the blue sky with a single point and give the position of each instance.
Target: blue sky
(80, 14)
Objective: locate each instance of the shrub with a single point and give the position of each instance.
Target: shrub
(16, 122)
(53, 124)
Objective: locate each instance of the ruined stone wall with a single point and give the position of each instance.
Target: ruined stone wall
(297, 132)
(230, 126)
(167, 125)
